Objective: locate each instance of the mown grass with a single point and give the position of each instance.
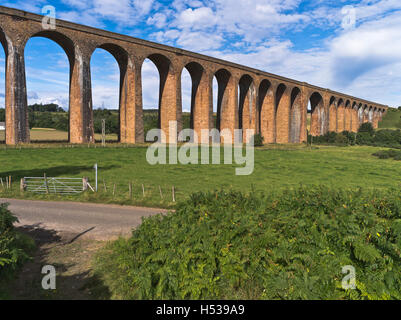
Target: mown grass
(276, 168)
(46, 134)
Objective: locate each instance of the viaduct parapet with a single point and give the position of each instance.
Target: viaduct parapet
(274, 106)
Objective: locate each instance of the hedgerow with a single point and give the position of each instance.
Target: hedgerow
(366, 136)
(293, 245)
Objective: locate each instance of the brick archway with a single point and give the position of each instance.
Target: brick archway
(296, 115)
(318, 115)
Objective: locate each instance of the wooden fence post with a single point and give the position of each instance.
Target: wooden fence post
(84, 184)
(22, 185)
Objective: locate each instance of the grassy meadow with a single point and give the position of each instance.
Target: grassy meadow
(276, 168)
(48, 135)
(392, 120)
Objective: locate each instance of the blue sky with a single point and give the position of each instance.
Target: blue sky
(311, 41)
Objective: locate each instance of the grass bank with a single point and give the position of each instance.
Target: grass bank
(276, 168)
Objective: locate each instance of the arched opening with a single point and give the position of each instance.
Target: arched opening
(247, 106)
(225, 118)
(215, 97)
(108, 65)
(333, 115)
(341, 116)
(370, 115)
(150, 85)
(355, 117)
(365, 113)
(3, 51)
(197, 113)
(318, 116)
(187, 83)
(296, 116)
(348, 116)
(375, 118)
(49, 57)
(266, 111)
(169, 115)
(282, 105)
(360, 115)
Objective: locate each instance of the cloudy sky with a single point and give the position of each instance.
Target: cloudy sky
(350, 46)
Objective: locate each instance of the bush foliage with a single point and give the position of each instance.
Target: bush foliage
(366, 136)
(13, 246)
(258, 140)
(228, 245)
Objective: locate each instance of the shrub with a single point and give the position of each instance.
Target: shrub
(13, 246)
(367, 127)
(364, 138)
(341, 139)
(386, 154)
(258, 140)
(388, 137)
(292, 245)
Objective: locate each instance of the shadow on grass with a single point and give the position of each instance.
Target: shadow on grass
(74, 280)
(60, 171)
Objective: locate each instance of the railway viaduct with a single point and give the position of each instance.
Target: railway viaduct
(248, 98)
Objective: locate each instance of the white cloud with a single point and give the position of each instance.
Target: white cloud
(200, 18)
(364, 62)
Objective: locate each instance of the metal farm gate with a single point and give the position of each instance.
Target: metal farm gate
(49, 185)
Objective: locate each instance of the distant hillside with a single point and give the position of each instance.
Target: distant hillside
(392, 120)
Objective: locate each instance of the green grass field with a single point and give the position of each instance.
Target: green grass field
(45, 134)
(392, 120)
(276, 168)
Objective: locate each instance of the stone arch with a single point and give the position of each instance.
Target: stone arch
(360, 115)
(75, 127)
(80, 96)
(355, 117)
(247, 105)
(370, 114)
(266, 111)
(3, 41)
(282, 107)
(318, 115)
(365, 113)
(169, 105)
(62, 40)
(333, 114)
(296, 115)
(126, 105)
(340, 116)
(348, 116)
(201, 99)
(227, 113)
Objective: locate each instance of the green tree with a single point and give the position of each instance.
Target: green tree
(367, 127)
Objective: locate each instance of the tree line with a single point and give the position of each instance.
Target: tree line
(54, 117)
